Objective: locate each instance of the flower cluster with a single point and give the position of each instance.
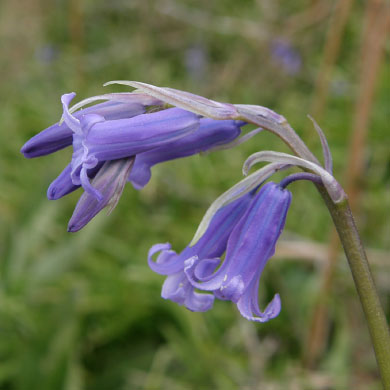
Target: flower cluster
(126, 135)
(121, 139)
(247, 229)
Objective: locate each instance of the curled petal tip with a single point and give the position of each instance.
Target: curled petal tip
(66, 98)
(67, 117)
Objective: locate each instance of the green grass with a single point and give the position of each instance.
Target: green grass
(83, 311)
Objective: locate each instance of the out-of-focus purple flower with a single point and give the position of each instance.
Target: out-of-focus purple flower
(96, 139)
(285, 55)
(46, 54)
(250, 245)
(176, 287)
(196, 62)
(210, 134)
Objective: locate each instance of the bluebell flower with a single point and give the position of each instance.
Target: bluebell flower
(59, 136)
(113, 131)
(124, 128)
(211, 133)
(212, 245)
(96, 139)
(284, 54)
(250, 245)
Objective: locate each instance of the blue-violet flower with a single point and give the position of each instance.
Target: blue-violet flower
(250, 245)
(59, 136)
(212, 244)
(119, 129)
(211, 133)
(96, 139)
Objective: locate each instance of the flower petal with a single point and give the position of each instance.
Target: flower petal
(109, 182)
(272, 310)
(72, 122)
(242, 187)
(235, 142)
(177, 289)
(209, 134)
(63, 184)
(250, 245)
(168, 262)
(59, 135)
(208, 282)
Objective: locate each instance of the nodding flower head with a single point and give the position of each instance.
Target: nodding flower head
(177, 287)
(59, 135)
(96, 139)
(128, 125)
(211, 133)
(250, 245)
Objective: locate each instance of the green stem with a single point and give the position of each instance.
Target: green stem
(358, 263)
(349, 236)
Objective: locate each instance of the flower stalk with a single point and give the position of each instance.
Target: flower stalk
(365, 286)
(121, 139)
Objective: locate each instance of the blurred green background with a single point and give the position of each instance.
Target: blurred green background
(83, 311)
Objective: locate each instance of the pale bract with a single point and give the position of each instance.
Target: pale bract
(186, 100)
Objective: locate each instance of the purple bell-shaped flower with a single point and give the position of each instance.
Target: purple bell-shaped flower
(250, 245)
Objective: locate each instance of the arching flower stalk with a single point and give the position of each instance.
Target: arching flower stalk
(120, 140)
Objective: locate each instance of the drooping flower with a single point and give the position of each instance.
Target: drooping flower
(286, 56)
(59, 136)
(249, 247)
(177, 287)
(211, 133)
(139, 124)
(96, 139)
(122, 128)
(111, 131)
